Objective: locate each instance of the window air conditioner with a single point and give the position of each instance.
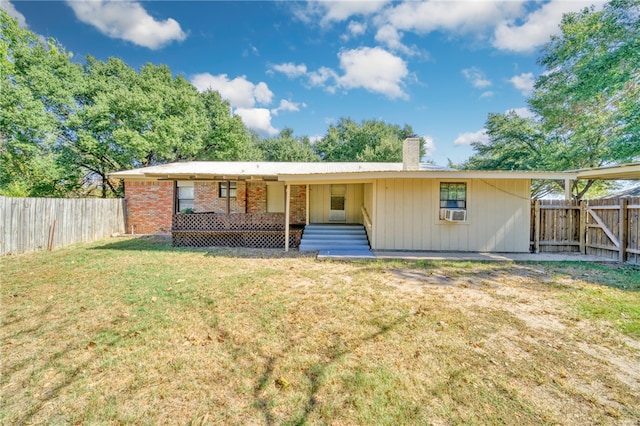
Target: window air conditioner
(455, 215)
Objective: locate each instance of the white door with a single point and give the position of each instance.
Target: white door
(337, 212)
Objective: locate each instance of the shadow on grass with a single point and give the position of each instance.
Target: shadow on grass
(163, 243)
(316, 373)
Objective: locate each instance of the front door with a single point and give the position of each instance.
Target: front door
(337, 209)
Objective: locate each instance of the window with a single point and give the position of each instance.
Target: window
(223, 189)
(453, 195)
(185, 196)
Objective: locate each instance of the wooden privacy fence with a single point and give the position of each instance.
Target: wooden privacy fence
(607, 228)
(31, 224)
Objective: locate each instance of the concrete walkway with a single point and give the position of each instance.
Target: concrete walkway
(462, 256)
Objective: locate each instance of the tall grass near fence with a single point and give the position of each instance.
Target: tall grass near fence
(32, 224)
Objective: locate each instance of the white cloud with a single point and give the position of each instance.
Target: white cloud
(262, 93)
(129, 21)
(322, 76)
(240, 92)
(243, 95)
(458, 16)
(286, 105)
(476, 77)
(536, 29)
(258, 119)
(373, 69)
(487, 94)
(13, 12)
(389, 36)
(337, 11)
(429, 146)
(290, 69)
(472, 137)
(357, 28)
(522, 112)
(523, 82)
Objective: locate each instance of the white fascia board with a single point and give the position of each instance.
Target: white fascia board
(457, 174)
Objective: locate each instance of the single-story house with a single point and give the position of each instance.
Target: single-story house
(402, 206)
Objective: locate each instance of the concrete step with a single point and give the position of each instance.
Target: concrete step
(346, 238)
(311, 246)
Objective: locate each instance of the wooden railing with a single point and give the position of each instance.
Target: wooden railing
(368, 223)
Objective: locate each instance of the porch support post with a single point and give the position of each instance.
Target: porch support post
(228, 197)
(307, 206)
(567, 189)
(287, 209)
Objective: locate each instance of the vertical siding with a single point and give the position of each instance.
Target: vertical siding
(319, 199)
(407, 216)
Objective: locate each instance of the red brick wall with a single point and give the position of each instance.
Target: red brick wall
(298, 204)
(206, 198)
(256, 197)
(149, 206)
(150, 203)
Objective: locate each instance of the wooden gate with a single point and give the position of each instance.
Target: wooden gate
(607, 228)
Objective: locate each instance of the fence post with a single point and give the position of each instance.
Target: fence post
(583, 227)
(536, 230)
(622, 235)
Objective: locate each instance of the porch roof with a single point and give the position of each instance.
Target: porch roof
(629, 171)
(320, 171)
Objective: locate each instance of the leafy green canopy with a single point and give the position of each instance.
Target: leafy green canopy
(65, 126)
(372, 140)
(586, 103)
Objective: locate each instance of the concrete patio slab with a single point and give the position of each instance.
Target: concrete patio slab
(463, 256)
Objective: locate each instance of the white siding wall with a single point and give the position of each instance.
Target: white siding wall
(407, 216)
(319, 197)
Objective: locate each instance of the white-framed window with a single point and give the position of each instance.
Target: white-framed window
(185, 196)
(453, 195)
(222, 189)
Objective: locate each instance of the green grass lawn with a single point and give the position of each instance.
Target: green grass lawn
(131, 331)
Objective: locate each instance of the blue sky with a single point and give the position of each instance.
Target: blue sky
(438, 66)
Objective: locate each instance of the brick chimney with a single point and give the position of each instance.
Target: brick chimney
(411, 153)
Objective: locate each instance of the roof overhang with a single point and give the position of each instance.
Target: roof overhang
(620, 172)
(299, 179)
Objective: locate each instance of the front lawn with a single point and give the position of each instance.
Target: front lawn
(132, 331)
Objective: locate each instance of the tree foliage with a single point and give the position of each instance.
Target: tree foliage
(371, 140)
(286, 147)
(586, 102)
(64, 126)
(226, 137)
(37, 80)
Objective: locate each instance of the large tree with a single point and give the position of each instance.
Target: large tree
(286, 147)
(37, 82)
(226, 137)
(131, 119)
(371, 140)
(586, 102)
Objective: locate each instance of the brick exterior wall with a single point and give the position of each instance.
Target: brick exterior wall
(206, 198)
(149, 206)
(257, 197)
(298, 205)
